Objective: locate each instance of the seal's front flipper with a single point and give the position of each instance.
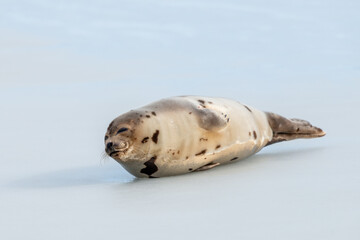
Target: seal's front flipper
(207, 166)
(288, 129)
(212, 120)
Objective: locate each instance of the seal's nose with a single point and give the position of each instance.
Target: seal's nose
(109, 145)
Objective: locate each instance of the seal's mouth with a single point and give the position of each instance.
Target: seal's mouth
(116, 149)
(114, 152)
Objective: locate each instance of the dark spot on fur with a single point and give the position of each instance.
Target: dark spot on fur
(141, 115)
(298, 129)
(145, 139)
(150, 168)
(218, 146)
(190, 169)
(148, 116)
(173, 153)
(255, 136)
(203, 139)
(201, 101)
(178, 151)
(201, 153)
(190, 112)
(228, 120)
(153, 113)
(248, 108)
(155, 136)
(249, 133)
(210, 102)
(187, 157)
(206, 165)
(233, 158)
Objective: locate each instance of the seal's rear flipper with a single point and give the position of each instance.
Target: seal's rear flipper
(288, 129)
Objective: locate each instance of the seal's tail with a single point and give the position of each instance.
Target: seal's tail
(288, 129)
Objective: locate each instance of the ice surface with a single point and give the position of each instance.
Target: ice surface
(68, 68)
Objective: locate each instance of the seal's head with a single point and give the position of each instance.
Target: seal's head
(120, 137)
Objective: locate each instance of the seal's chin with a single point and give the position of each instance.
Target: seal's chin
(113, 153)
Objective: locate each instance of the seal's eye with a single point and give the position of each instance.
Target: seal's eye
(106, 137)
(122, 130)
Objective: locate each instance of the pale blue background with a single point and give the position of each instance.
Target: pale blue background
(67, 68)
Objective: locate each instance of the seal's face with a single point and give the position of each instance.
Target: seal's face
(118, 142)
(120, 136)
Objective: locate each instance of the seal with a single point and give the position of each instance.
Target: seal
(190, 133)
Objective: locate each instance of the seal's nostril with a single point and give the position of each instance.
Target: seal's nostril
(109, 144)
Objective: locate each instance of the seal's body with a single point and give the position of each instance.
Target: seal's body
(185, 134)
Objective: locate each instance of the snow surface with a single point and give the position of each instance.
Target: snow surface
(67, 68)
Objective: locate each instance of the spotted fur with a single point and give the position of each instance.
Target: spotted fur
(186, 134)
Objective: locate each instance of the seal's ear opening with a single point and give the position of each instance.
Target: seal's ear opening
(289, 129)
